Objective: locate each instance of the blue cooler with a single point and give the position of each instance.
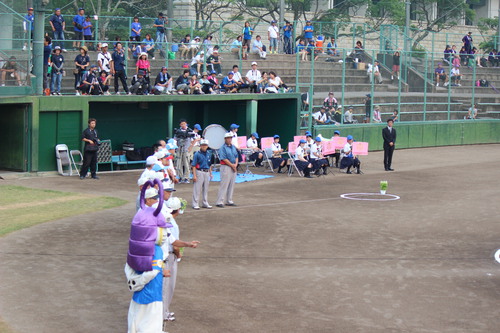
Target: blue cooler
(175, 47)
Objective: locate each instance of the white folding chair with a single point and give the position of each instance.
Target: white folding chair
(268, 154)
(293, 166)
(78, 163)
(63, 160)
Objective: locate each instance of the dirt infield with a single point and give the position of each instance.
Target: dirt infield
(291, 257)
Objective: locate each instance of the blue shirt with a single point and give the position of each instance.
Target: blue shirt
(78, 19)
(57, 21)
(287, 31)
(227, 81)
(228, 153)
(137, 26)
(308, 34)
(29, 19)
(47, 50)
(152, 292)
(299, 48)
(439, 70)
(86, 28)
(201, 160)
(247, 33)
(160, 22)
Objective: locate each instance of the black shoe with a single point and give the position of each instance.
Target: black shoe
(231, 204)
(95, 177)
(308, 176)
(220, 205)
(349, 172)
(358, 172)
(390, 169)
(82, 177)
(386, 169)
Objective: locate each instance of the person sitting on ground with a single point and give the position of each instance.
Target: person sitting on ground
(228, 84)
(238, 79)
(321, 118)
(256, 155)
(318, 161)
(348, 158)
(163, 81)
(206, 85)
(194, 86)
(262, 83)
(149, 43)
(253, 76)
(259, 48)
(349, 116)
(184, 46)
(301, 163)
(493, 59)
(236, 46)
(373, 71)
(214, 62)
(456, 76)
(194, 46)
(377, 115)
(331, 47)
(277, 161)
(440, 75)
(197, 62)
(472, 112)
(140, 84)
(182, 83)
(275, 83)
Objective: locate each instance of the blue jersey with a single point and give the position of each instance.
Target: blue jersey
(29, 20)
(247, 33)
(308, 34)
(152, 292)
(137, 26)
(287, 31)
(79, 20)
(87, 30)
(201, 160)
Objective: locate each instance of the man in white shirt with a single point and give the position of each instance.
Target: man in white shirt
(103, 59)
(238, 79)
(197, 62)
(374, 71)
(253, 76)
(273, 33)
(455, 75)
(194, 46)
(321, 118)
(258, 47)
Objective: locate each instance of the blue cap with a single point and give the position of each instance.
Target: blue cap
(318, 139)
(171, 140)
(213, 72)
(81, 9)
(302, 141)
(57, 9)
(307, 132)
(230, 73)
(255, 134)
(233, 126)
(273, 21)
(276, 136)
(171, 146)
(349, 137)
(197, 126)
(336, 132)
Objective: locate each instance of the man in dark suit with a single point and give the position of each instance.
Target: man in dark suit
(389, 136)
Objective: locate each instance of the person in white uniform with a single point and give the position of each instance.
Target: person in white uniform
(256, 155)
(319, 162)
(278, 161)
(300, 161)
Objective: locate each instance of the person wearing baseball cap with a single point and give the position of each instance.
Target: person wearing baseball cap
(228, 84)
(319, 162)
(300, 161)
(273, 33)
(28, 25)
(195, 140)
(58, 26)
(253, 77)
(202, 174)
(148, 172)
(277, 161)
(104, 60)
(256, 155)
(78, 21)
(228, 156)
(308, 32)
(349, 159)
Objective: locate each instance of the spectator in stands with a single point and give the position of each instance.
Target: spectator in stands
(275, 83)
(467, 40)
(236, 46)
(150, 45)
(359, 51)
(28, 26)
(90, 83)
(247, 39)
(197, 62)
(287, 38)
(312, 50)
(440, 75)
(58, 26)
(184, 46)
(238, 79)
(78, 21)
(330, 101)
(368, 108)
(104, 79)
(262, 83)
(308, 32)
(10, 68)
(140, 84)
(214, 80)
(373, 71)
(82, 63)
(320, 117)
(206, 84)
(273, 33)
(87, 32)
(194, 86)
(377, 114)
(253, 76)
(456, 60)
(349, 116)
(259, 48)
(464, 56)
(141, 48)
(135, 30)
(56, 72)
(143, 64)
(447, 54)
(182, 83)
(118, 68)
(214, 62)
(104, 59)
(396, 60)
(228, 84)
(331, 47)
(394, 116)
(160, 24)
(337, 115)
(163, 81)
(493, 59)
(456, 76)
(207, 45)
(47, 50)
(472, 113)
(302, 50)
(349, 159)
(194, 46)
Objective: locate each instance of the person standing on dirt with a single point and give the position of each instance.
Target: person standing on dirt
(92, 143)
(389, 136)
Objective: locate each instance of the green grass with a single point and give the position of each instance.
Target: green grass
(4, 328)
(22, 207)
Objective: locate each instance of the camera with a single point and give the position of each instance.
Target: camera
(182, 135)
(97, 142)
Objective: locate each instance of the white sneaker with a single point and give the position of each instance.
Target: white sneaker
(129, 93)
(437, 84)
(153, 58)
(446, 84)
(196, 208)
(458, 84)
(107, 93)
(208, 207)
(392, 77)
(24, 48)
(3, 84)
(64, 50)
(117, 93)
(77, 94)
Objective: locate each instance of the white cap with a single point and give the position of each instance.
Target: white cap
(150, 193)
(141, 181)
(151, 160)
(174, 203)
(204, 142)
(254, 63)
(104, 45)
(228, 135)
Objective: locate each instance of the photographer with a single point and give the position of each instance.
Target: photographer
(184, 136)
(92, 144)
(287, 38)
(140, 84)
(90, 84)
(118, 68)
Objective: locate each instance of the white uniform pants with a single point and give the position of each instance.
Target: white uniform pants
(145, 318)
(227, 179)
(169, 284)
(201, 187)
